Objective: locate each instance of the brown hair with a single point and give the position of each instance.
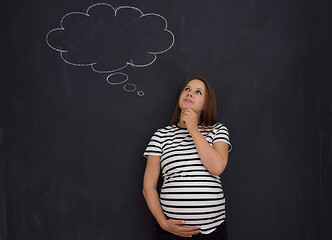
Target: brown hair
(209, 113)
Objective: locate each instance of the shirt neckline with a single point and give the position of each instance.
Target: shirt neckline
(176, 125)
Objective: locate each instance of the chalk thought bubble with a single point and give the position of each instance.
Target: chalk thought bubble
(109, 39)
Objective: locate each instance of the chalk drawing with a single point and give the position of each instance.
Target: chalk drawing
(140, 93)
(129, 87)
(113, 81)
(109, 39)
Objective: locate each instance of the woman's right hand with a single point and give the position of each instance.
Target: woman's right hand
(175, 227)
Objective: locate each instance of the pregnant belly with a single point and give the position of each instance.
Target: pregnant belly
(198, 203)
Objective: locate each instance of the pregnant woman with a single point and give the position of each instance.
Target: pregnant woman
(191, 152)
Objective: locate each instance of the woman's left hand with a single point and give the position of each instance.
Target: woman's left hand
(189, 118)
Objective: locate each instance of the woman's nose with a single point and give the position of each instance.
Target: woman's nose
(190, 94)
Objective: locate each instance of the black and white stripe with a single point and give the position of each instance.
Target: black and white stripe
(189, 191)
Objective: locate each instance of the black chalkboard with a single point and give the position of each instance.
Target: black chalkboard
(84, 84)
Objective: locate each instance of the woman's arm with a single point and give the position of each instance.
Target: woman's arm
(213, 158)
(150, 193)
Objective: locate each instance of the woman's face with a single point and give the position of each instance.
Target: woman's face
(193, 96)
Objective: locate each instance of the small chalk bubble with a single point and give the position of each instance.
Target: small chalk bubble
(117, 78)
(140, 93)
(129, 87)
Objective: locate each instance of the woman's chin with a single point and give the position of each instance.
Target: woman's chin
(186, 106)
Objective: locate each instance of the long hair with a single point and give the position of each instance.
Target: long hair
(209, 113)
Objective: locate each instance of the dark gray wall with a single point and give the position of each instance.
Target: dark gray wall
(72, 144)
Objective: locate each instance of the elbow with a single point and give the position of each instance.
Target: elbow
(219, 169)
(144, 192)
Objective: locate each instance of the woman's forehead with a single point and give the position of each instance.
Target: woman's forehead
(195, 83)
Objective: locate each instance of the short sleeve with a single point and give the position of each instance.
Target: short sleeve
(154, 147)
(222, 135)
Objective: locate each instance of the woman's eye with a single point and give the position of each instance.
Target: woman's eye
(187, 89)
(198, 91)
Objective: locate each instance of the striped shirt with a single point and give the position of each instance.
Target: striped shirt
(189, 191)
